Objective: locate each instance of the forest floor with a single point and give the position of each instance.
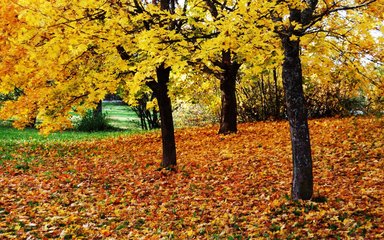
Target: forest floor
(224, 187)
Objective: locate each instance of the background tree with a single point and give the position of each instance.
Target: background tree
(342, 68)
(233, 41)
(147, 112)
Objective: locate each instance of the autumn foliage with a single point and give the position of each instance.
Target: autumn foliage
(61, 56)
(224, 187)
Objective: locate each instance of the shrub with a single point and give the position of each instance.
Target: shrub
(193, 114)
(93, 122)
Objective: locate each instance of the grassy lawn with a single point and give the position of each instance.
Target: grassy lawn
(118, 114)
(12, 135)
(121, 115)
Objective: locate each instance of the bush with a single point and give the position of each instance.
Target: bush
(256, 104)
(261, 98)
(327, 100)
(92, 122)
(193, 114)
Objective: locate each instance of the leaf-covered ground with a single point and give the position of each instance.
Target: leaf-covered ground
(225, 187)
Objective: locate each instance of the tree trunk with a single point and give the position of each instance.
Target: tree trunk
(302, 182)
(160, 88)
(228, 116)
(277, 96)
(155, 120)
(98, 110)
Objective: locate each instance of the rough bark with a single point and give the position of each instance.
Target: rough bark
(302, 182)
(160, 89)
(228, 116)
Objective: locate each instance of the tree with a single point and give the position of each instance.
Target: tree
(11, 82)
(48, 72)
(302, 19)
(98, 110)
(341, 65)
(239, 36)
(228, 115)
(160, 89)
(159, 82)
(82, 50)
(73, 53)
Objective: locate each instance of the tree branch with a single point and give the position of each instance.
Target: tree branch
(329, 10)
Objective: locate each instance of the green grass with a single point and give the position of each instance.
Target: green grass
(10, 134)
(120, 116)
(11, 139)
